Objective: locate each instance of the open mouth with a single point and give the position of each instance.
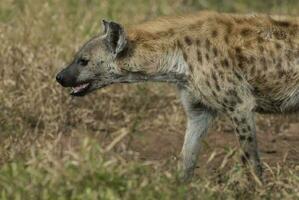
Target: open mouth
(81, 89)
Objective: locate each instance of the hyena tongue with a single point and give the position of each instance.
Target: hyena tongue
(80, 88)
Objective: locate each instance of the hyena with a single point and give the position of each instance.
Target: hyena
(228, 64)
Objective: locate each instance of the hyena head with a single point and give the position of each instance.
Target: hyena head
(95, 65)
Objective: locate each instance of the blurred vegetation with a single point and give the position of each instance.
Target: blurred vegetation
(53, 146)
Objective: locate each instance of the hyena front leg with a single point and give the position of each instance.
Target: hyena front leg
(244, 123)
(199, 119)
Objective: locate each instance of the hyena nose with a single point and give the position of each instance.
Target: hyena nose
(60, 79)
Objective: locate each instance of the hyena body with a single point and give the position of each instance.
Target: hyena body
(231, 64)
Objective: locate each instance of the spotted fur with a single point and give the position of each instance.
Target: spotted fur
(223, 63)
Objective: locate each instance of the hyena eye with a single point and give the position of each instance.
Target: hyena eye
(83, 62)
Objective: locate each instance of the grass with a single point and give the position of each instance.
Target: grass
(53, 146)
(86, 171)
(81, 175)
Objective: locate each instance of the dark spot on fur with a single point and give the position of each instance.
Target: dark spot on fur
(239, 77)
(264, 63)
(221, 73)
(284, 24)
(233, 103)
(193, 26)
(198, 42)
(199, 56)
(243, 120)
(252, 60)
(252, 70)
(238, 50)
(279, 64)
(289, 55)
(225, 63)
(281, 73)
(280, 35)
(214, 76)
(261, 48)
(277, 46)
(207, 57)
(188, 40)
(242, 137)
(228, 25)
(215, 51)
(232, 109)
(185, 56)
(171, 31)
(208, 83)
(260, 39)
(242, 60)
(208, 44)
(238, 20)
(239, 100)
(230, 80)
(245, 32)
(272, 53)
(232, 93)
(248, 128)
(245, 157)
(235, 119)
(248, 44)
(225, 101)
(214, 33)
(226, 39)
(214, 93)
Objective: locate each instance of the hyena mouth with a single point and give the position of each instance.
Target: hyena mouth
(81, 89)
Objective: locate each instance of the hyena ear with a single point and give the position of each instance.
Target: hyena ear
(114, 37)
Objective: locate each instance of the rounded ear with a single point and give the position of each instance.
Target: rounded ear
(104, 26)
(114, 37)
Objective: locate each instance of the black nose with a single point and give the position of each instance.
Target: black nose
(60, 79)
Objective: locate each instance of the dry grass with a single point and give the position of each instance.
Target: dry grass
(53, 146)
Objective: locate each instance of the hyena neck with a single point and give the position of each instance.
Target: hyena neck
(157, 65)
(135, 77)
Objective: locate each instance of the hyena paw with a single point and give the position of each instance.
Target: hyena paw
(185, 174)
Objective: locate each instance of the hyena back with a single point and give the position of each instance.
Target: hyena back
(222, 63)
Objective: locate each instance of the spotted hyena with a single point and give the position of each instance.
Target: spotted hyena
(228, 64)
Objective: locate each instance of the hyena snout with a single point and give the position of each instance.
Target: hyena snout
(67, 78)
(60, 79)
